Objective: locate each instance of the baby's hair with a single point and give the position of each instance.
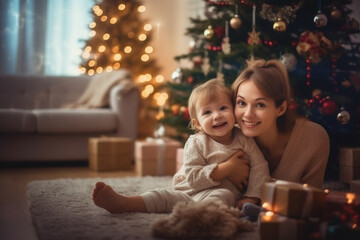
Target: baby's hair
(206, 93)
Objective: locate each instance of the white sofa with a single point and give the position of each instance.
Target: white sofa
(35, 127)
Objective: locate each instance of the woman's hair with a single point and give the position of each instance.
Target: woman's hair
(205, 93)
(272, 80)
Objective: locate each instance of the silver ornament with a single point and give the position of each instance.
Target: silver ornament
(289, 61)
(320, 20)
(343, 116)
(176, 76)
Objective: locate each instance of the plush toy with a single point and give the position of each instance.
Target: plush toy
(201, 220)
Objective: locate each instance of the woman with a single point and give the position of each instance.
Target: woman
(296, 149)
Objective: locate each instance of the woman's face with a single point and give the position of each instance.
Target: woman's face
(255, 113)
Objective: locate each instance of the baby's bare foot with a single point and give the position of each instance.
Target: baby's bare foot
(105, 197)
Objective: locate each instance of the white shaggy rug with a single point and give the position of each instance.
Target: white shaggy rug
(63, 209)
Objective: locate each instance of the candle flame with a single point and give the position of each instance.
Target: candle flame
(350, 197)
(268, 216)
(266, 205)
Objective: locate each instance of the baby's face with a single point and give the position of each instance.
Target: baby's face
(216, 118)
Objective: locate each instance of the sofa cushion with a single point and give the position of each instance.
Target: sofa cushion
(75, 120)
(17, 121)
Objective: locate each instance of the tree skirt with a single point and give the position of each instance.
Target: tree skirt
(63, 209)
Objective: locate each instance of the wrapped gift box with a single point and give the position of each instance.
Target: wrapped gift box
(156, 156)
(275, 227)
(179, 158)
(349, 164)
(355, 186)
(111, 153)
(293, 199)
(338, 201)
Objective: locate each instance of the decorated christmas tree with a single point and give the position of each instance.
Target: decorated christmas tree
(121, 38)
(311, 38)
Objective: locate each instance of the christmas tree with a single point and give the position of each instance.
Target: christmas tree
(311, 38)
(120, 38)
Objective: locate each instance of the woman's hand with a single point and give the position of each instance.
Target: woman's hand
(239, 170)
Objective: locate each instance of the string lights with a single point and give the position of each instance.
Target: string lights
(109, 48)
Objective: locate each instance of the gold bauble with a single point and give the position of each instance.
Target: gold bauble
(279, 25)
(335, 13)
(209, 32)
(235, 22)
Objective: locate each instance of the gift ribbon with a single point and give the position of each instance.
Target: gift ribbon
(270, 197)
(160, 162)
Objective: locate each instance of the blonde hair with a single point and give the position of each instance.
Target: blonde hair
(206, 92)
(272, 79)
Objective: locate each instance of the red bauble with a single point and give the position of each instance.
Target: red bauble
(293, 105)
(186, 115)
(328, 107)
(220, 32)
(190, 79)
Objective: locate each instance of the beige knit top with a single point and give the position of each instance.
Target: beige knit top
(305, 156)
(202, 154)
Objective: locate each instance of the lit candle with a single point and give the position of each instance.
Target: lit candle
(350, 197)
(266, 205)
(268, 216)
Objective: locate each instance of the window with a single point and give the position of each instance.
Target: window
(43, 36)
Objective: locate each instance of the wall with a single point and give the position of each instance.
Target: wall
(170, 19)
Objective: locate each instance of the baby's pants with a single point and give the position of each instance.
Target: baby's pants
(163, 201)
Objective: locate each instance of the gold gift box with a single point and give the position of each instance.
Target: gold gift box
(111, 153)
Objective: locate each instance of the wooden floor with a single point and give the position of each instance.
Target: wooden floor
(15, 219)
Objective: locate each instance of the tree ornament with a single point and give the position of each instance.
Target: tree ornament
(320, 20)
(355, 81)
(343, 116)
(328, 106)
(235, 22)
(279, 25)
(335, 13)
(209, 32)
(197, 60)
(286, 13)
(289, 61)
(225, 45)
(354, 25)
(206, 64)
(185, 114)
(253, 35)
(190, 79)
(316, 93)
(175, 109)
(176, 76)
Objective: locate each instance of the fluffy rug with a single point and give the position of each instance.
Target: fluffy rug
(63, 209)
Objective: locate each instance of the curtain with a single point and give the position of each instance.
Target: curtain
(40, 37)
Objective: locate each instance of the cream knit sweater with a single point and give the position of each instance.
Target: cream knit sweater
(202, 154)
(305, 156)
